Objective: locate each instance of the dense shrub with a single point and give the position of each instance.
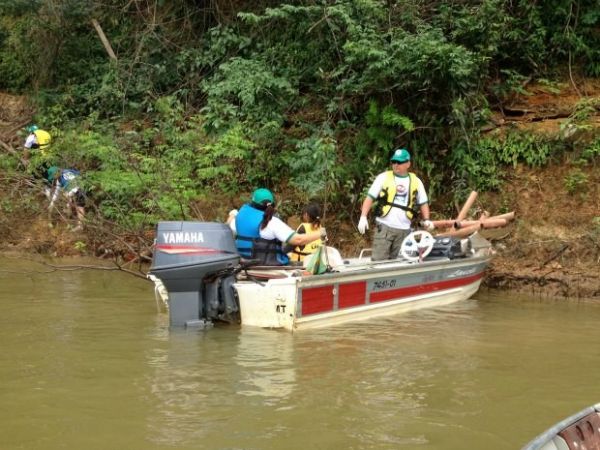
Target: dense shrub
(210, 98)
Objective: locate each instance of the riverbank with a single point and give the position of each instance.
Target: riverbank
(552, 248)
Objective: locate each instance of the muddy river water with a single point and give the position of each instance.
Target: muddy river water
(88, 363)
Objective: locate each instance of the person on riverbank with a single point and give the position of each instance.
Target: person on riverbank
(311, 222)
(399, 196)
(261, 235)
(36, 139)
(66, 181)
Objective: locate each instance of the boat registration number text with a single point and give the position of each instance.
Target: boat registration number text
(392, 283)
(384, 284)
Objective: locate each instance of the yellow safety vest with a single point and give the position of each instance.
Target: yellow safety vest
(302, 251)
(388, 193)
(43, 139)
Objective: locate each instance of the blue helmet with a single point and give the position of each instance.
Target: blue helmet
(32, 128)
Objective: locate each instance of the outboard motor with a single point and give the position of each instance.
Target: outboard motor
(196, 263)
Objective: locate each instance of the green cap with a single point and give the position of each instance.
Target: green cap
(263, 195)
(52, 172)
(400, 155)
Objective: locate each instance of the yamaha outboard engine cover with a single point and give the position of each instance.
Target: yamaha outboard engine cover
(195, 261)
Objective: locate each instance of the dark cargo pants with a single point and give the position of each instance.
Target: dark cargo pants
(387, 242)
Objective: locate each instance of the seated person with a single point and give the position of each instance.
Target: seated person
(260, 235)
(311, 221)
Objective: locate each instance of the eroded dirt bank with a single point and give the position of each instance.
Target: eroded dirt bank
(553, 248)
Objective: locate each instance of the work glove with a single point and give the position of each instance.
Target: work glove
(233, 212)
(363, 225)
(323, 233)
(428, 225)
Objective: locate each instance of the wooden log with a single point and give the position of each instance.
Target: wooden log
(12, 151)
(508, 216)
(103, 38)
(8, 148)
(440, 224)
(463, 232)
(465, 209)
(494, 223)
(488, 223)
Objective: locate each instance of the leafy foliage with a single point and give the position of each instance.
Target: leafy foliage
(224, 96)
(576, 182)
(313, 164)
(245, 90)
(478, 165)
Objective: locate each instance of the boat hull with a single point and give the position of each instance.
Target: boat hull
(579, 431)
(357, 293)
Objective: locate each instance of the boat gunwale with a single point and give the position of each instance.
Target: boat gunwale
(545, 437)
(367, 271)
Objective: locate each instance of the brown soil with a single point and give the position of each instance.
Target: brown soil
(552, 248)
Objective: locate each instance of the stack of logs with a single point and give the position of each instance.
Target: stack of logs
(461, 227)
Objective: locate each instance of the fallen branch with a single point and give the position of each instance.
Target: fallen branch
(104, 40)
(508, 216)
(556, 255)
(487, 223)
(73, 267)
(13, 152)
(465, 209)
(463, 232)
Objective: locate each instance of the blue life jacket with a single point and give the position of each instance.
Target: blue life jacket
(249, 243)
(67, 178)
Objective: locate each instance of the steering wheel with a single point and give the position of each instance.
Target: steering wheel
(417, 245)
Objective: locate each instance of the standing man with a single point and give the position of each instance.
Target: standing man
(36, 139)
(400, 196)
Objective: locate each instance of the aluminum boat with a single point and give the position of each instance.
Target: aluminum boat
(200, 278)
(581, 431)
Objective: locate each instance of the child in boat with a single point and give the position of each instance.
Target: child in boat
(311, 222)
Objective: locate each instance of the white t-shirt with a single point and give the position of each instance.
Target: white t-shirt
(31, 139)
(275, 229)
(396, 218)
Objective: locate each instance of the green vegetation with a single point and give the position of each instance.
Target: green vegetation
(576, 182)
(311, 96)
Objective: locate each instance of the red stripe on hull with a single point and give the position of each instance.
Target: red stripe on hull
(352, 294)
(317, 300)
(409, 291)
(186, 250)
